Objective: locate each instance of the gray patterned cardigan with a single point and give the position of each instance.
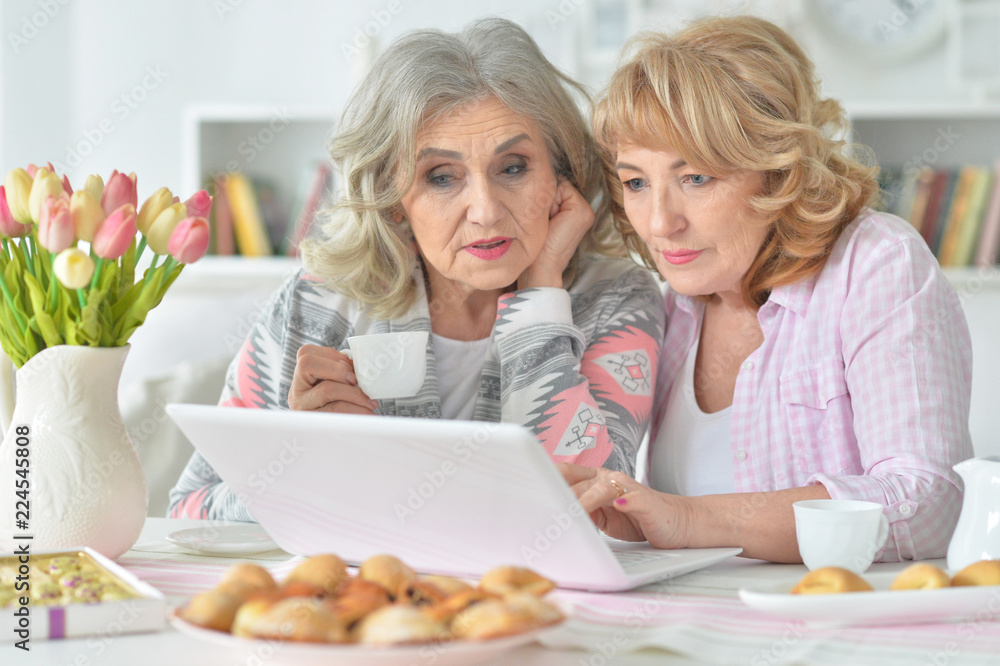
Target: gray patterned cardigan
(576, 366)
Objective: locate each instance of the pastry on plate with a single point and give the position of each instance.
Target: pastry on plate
(507, 579)
(831, 580)
(451, 606)
(325, 572)
(984, 572)
(298, 619)
(447, 584)
(920, 576)
(356, 598)
(400, 625)
(390, 572)
(248, 575)
(492, 618)
(214, 609)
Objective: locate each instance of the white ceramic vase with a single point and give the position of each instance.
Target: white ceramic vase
(86, 486)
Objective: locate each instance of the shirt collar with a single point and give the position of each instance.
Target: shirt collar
(795, 296)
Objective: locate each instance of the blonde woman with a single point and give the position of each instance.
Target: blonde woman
(469, 176)
(814, 349)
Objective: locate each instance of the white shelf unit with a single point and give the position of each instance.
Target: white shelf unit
(940, 135)
(277, 143)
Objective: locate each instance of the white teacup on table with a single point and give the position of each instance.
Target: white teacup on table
(389, 365)
(840, 533)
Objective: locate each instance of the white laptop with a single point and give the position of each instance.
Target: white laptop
(447, 497)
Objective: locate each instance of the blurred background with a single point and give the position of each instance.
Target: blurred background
(239, 96)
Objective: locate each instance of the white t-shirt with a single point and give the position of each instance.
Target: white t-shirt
(692, 454)
(459, 366)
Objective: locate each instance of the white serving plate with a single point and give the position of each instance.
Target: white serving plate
(453, 653)
(880, 607)
(246, 539)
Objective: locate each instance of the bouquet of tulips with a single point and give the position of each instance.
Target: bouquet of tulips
(56, 292)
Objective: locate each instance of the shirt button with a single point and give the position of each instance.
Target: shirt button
(748, 365)
(905, 509)
(741, 455)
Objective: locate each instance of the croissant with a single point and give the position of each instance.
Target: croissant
(296, 619)
(389, 572)
(506, 580)
(356, 598)
(399, 625)
(920, 576)
(831, 580)
(984, 572)
(324, 572)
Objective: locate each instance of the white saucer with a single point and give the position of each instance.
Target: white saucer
(224, 539)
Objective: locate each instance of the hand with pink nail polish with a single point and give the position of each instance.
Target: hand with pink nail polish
(324, 381)
(625, 509)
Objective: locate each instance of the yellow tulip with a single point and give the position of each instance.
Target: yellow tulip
(73, 268)
(95, 186)
(159, 232)
(159, 201)
(87, 214)
(46, 184)
(18, 186)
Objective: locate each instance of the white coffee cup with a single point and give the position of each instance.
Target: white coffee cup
(840, 533)
(389, 365)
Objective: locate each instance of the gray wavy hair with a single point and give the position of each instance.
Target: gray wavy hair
(423, 75)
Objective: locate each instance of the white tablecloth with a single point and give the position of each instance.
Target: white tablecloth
(693, 619)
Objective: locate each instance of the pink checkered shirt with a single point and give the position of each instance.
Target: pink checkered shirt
(862, 384)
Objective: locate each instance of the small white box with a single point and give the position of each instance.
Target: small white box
(146, 611)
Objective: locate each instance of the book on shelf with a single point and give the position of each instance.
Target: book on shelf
(945, 195)
(316, 184)
(925, 182)
(971, 228)
(249, 228)
(958, 204)
(956, 211)
(221, 221)
(986, 253)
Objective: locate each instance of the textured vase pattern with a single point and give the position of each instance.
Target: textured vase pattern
(87, 485)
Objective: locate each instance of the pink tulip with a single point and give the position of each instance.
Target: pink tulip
(56, 231)
(119, 190)
(189, 241)
(31, 169)
(116, 233)
(9, 227)
(199, 205)
(67, 188)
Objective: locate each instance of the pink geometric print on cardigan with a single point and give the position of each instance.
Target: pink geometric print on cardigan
(250, 393)
(191, 506)
(580, 436)
(619, 368)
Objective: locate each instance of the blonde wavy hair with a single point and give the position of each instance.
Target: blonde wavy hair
(732, 94)
(423, 75)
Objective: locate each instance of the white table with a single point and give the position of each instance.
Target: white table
(718, 583)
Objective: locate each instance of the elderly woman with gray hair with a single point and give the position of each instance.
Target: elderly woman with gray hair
(469, 185)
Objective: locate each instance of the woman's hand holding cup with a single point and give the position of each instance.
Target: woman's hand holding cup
(324, 381)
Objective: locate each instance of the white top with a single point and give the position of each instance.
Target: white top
(692, 454)
(459, 366)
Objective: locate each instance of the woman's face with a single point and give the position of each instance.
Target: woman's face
(699, 227)
(479, 206)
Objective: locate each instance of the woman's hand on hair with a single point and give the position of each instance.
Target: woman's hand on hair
(640, 514)
(570, 217)
(324, 381)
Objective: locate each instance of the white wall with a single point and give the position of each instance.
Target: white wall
(69, 76)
